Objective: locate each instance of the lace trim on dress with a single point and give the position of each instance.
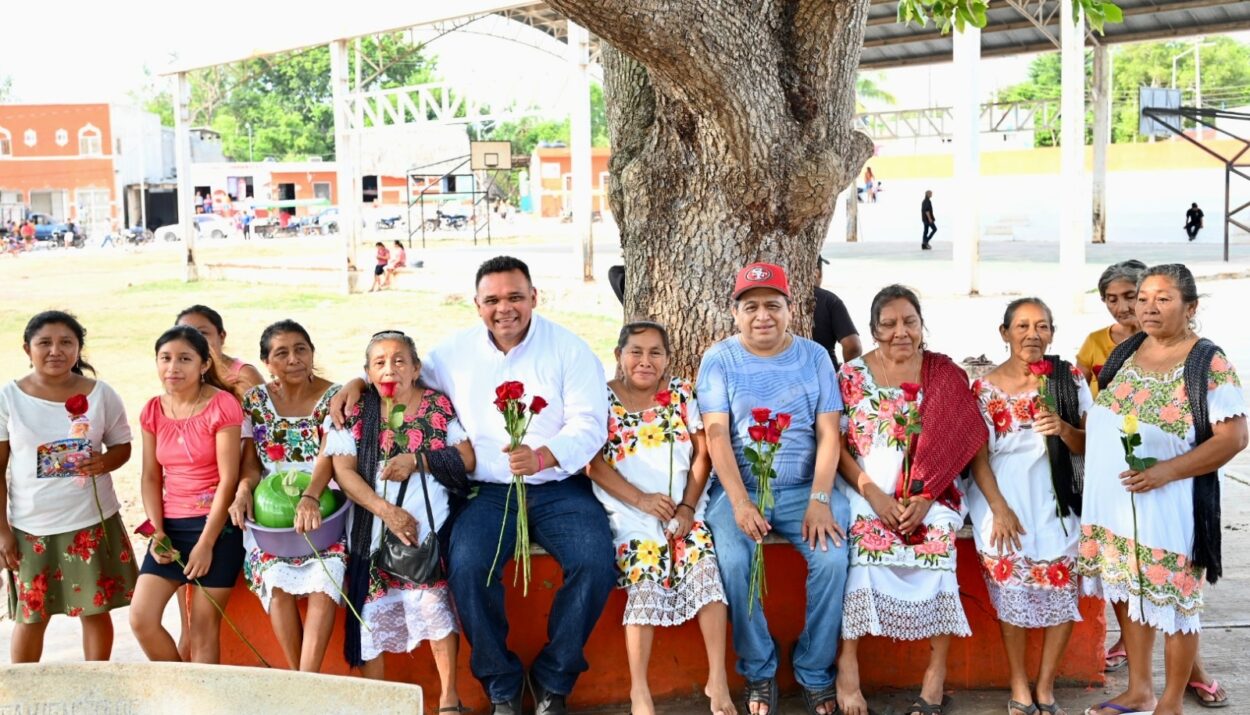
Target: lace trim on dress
(401, 620)
(1166, 618)
(340, 442)
(1226, 402)
(651, 604)
(869, 613)
(1034, 608)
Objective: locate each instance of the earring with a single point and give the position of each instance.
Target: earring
(202, 378)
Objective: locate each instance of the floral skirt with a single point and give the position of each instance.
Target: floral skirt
(400, 615)
(1031, 593)
(1161, 588)
(78, 573)
(298, 576)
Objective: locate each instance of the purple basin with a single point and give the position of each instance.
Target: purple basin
(290, 544)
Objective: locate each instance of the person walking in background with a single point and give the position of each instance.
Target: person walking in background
(930, 223)
(64, 553)
(382, 258)
(1193, 221)
(870, 185)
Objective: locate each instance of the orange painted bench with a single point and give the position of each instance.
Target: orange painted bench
(678, 666)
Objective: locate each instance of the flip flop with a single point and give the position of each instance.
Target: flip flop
(1197, 685)
(1121, 709)
(1115, 667)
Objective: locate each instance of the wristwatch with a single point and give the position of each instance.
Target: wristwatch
(822, 497)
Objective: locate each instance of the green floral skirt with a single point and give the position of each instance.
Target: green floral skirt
(78, 573)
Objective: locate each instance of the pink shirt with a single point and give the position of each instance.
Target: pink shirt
(187, 452)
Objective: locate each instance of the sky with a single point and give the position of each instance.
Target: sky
(97, 51)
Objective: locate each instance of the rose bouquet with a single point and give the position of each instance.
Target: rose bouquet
(766, 441)
(509, 400)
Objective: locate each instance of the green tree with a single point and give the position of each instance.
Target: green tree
(528, 132)
(6, 88)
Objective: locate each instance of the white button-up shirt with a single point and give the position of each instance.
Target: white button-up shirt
(552, 363)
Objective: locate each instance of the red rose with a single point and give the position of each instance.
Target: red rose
(783, 420)
(761, 414)
(774, 434)
(146, 529)
(277, 453)
(387, 389)
(501, 392)
(537, 405)
(757, 432)
(1041, 368)
(76, 405)
(664, 398)
(501, 404)
(516, 390)
(911, 391)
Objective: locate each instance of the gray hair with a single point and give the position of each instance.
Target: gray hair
(1181, 277)
(392, 335)
(1130, 271)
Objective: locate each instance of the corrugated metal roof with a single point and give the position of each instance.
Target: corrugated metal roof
(1013, 27)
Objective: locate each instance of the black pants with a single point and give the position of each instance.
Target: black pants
(1192, 230)
(930, 229)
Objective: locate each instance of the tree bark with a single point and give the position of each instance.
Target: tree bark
(731, 128)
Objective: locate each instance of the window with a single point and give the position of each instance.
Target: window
(368, 188)
(89, 141)
(321, 190)
(6, 142)
(62, 137)
(93, 210)
(29, 138)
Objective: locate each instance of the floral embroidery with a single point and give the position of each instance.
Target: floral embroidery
(300, 437)
(652, 427)
(1010, 413)
(1160, 398)
(872, 412)
(422, 427)
(663, 563)
(1170, 579)
(1019, 571)
(872, 543)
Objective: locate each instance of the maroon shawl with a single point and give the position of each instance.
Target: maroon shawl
(952, 430)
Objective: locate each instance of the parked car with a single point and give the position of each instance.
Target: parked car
(206, 226)
(50, 229)
(328, 220)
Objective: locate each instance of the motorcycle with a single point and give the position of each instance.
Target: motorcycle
(137, 235)
(452, 221)
(388, 222)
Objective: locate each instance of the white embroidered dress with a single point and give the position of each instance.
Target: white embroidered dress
(894, 589)
(1034, 587)
(1161, 586)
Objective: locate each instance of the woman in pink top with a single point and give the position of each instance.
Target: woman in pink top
(239, 376)
(191, 451)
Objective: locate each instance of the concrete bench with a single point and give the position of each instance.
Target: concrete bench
(678, 669)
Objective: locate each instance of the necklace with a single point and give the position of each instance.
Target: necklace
(885, 373)
(181, 421)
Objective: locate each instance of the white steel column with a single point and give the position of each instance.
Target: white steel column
(345, 169)
(579, 142)
(852, 212)
(1074, 212)
(182, 163)
(1102, 137)
(963, 205)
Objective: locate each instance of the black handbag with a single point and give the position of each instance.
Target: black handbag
(420, 564)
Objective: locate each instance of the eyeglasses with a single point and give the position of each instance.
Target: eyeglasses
(388, 332)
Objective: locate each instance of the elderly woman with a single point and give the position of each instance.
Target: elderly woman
(652, 477)
(281, 431)
(57, 532)
(368, 456)
(1026, 501)
(904, 512)
(1150, 530)
(1118, 289)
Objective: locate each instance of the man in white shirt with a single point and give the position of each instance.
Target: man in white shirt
(565, 518)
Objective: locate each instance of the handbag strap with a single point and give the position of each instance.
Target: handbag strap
(422, 457)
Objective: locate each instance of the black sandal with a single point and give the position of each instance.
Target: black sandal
(763, 692)
(457, 708)
(1014, 705)
(924, 707)
(815, 698)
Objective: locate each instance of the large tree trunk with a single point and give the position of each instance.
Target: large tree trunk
(732, 137)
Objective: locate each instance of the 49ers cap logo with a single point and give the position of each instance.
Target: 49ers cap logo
(758, 273)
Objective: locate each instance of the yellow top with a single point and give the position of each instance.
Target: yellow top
(1094, 351)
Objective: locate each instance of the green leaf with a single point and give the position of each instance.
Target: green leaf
(1112, 12)
(395, 421)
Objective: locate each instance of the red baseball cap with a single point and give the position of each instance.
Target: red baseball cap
(762, 275)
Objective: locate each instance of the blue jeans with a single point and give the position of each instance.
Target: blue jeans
(568, 521)
(826, 580)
